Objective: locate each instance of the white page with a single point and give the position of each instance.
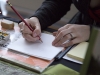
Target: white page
(38, 49)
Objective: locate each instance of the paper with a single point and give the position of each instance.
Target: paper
(38, 49)
(78, 52)
(71, 59)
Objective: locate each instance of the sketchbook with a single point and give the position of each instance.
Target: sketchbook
(38, 49)
(25, 61)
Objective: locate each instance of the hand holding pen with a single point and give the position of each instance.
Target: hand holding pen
(27, 33)
(30, 28)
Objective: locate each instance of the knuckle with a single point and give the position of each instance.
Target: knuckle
(73, 29)
(61, 33)
(59, 30)
(68, 25)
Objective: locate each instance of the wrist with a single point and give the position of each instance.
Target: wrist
(36, 21)
(34, 18)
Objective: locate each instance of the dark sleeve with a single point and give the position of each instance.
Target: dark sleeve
(51, 11)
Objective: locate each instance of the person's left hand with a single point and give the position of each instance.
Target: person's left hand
(71, 34)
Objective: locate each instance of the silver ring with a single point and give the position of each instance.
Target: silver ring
(71, 36)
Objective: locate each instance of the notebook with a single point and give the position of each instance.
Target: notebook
(38, 49)
(78, 52)
(24, 61)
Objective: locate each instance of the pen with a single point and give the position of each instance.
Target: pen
(21, 18)
(62, 53)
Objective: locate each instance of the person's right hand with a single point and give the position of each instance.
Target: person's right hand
(27, 33)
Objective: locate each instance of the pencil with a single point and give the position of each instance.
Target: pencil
(21, 18)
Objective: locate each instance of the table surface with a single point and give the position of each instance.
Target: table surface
(8, 69)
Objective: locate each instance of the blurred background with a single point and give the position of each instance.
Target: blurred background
(27, 8)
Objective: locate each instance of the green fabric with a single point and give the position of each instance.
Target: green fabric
(59, 70)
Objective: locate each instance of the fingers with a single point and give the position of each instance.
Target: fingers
(61, 33)
(71, 34)
(61, 36)
(27, 33)
(30, 38)
(71, 42)
(65, 40)
(55, 33)
(24, 28)
(34, 21)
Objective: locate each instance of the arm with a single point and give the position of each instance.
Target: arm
(51, 11)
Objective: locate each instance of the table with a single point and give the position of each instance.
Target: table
(6, 69)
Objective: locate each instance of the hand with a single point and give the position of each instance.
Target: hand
(71, 34)
(27, 33)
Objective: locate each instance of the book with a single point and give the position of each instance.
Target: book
(78, 52)
(38, 49)
(25, 61)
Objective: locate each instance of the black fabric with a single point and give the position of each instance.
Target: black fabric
(82, 6)
(52, 11)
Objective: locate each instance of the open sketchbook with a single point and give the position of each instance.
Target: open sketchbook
(38, 49)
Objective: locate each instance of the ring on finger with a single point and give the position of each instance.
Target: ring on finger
(72, 37)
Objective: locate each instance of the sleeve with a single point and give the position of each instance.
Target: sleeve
(51, 11)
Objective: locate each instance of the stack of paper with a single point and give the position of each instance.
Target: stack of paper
(78, 52)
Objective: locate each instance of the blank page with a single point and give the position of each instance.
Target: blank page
(78, 52)
(38, 49)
